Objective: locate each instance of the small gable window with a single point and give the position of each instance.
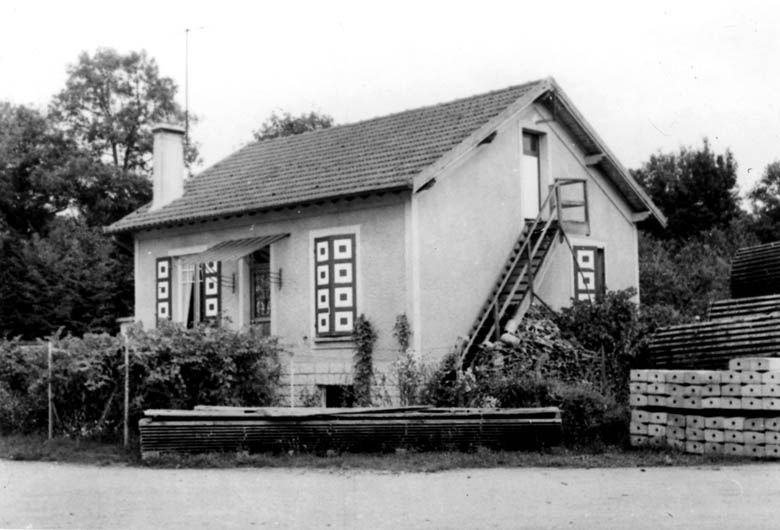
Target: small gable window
(334, 273)
(589, 278)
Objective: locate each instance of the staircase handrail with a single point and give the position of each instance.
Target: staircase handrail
(504, 277)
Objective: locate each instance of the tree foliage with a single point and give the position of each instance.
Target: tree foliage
(66, 173)
(30, 154)
(765, 202)
(109, 104)
(695, 188)
(73, 277)
(285, 124)
(690, 274)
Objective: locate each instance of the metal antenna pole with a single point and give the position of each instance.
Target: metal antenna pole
(186, 87)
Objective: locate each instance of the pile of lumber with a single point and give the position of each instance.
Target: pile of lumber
(732, 308)
(710, 345)
(734, 411)
(755, 271)
(215, 429)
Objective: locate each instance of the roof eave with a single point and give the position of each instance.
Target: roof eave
(468, 145)
(609, 160)
(138, 227)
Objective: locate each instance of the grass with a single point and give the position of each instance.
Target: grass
(30, 447)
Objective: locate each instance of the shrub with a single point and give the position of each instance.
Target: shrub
(171, 367)
(616, 332)
(590, 418)
(577, 360)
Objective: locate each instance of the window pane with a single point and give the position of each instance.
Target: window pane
(530, 144)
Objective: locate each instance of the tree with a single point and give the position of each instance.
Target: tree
(696, 189)
(765, 201)
(71, 277)
(110, 103)
(30, 152)
(690, 274)
(285, 124)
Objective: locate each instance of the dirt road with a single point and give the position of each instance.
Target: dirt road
(46, 495)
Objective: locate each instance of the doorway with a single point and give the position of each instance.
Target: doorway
(531, 188)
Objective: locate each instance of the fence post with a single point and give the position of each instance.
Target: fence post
(292, 382)
(127, 392)
(51, 405)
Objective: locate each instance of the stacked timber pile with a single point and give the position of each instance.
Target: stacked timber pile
(710, 345)
(213, 429)
(755, 271)
(747, 324)
(734, 411)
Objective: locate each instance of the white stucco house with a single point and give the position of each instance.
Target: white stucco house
(435, 213)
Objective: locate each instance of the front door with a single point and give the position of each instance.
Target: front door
(530, 188)
(260, 290)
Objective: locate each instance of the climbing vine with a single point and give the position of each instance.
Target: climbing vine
(402, 331)
(365, 337)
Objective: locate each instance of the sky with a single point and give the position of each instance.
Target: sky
(648, 76)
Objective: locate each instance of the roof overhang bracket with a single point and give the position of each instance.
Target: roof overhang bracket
(553, 108)
(428, 185)
(488, 139)
(638, 217)
(592, 160)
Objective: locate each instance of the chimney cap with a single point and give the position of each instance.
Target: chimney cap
(167, 127)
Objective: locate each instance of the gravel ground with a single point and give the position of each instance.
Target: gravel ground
(51, 495)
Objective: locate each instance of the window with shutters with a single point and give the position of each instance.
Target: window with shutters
(334, 285)
(201, 288)
(589, 278)
(163, 286)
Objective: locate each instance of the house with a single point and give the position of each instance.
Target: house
(456, 215)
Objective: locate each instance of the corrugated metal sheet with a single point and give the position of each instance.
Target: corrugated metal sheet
(231, 250)
(263, 430)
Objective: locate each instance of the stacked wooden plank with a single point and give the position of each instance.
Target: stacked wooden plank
(755, 271)
(212, 429)
(711, 344)
(744, 307)
(734, 411)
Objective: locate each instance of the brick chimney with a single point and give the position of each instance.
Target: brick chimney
(168, 164)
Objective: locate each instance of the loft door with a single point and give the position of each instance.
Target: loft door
(530, 188)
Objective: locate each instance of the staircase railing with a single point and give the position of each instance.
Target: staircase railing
(529, 248)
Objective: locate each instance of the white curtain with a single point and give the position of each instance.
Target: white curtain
(187, 284)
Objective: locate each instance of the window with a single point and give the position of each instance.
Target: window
(531, 174)
(163, 286)
(260, 289)
(201, 292)
(589, 281)
(334, 285)
(341, 396)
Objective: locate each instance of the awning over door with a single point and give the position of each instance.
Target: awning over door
(231, 250)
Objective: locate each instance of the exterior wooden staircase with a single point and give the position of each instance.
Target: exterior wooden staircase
(515, 283)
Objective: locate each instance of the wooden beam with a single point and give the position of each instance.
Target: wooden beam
(592, 160)
(640, 216)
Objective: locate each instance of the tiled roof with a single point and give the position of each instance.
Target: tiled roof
(373, 155)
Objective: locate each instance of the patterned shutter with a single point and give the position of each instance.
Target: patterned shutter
(588, 273)
(212, 291)
(163, 286)
(334, 273)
